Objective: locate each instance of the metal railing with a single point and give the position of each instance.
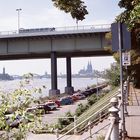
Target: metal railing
(114, 131)
(94, 122)
(100, 27)
(102, 102)
(116, 124)
(90, 136)
(110, 130)
(86, 120)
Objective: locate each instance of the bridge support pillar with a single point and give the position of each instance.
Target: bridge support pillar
(69, 89)
(53, 91)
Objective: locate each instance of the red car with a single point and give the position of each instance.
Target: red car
(55, 101)
(74, 98)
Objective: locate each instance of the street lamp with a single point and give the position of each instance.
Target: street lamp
(97, 92)
(18, 11)
(77, 23)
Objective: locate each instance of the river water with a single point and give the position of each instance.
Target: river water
(78, 83)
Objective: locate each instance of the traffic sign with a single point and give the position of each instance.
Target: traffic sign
(126, 59)
(125, 37)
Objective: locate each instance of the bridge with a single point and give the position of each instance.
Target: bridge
(65, 42)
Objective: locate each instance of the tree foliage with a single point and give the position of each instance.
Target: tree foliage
(131, 14)
(113, 75)
(76, 8)
(15, 121)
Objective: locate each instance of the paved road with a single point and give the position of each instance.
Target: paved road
(52, 116)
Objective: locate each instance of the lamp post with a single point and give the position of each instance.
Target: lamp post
(97, 87)
(18, 11)
(77, 23)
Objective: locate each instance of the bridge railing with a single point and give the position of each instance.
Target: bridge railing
(84, 27)
(14, 32)
(57, 29)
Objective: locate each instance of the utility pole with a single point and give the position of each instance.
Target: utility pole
(121, 78)
(18, 11)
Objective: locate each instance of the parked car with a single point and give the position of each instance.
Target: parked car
(74, 98)
(79, 96)
(35, 109)
(86, 93)
(57, 102)
(52, 105)
(45, 107)
(66, 101)
(31, 109)
(14, 121)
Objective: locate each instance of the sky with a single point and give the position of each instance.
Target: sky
(41, 14)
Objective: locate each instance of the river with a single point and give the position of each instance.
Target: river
(78, 83)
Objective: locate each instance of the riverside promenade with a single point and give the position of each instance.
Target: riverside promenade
(133, 118)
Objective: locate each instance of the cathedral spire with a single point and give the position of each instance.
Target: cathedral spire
(3, 70)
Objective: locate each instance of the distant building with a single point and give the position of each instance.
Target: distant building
(5, 76)
(86, 72)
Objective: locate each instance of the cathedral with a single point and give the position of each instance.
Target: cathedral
(88, 71)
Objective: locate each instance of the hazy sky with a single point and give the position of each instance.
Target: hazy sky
(42, 13)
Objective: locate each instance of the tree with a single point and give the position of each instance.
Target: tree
(15, 120)
(76, 8)
(131, 14)
(113, 75)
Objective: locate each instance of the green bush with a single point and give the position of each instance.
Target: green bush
(92, 99)
(63, 122)
(80, 109)
(14, 105)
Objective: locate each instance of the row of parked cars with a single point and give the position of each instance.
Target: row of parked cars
(51, 105)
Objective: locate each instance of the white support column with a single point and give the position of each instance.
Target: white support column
(125, 98)
(114, 117)
(89, 127)
(57, 133)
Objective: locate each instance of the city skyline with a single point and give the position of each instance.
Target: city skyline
(36, 14)
(34, 63)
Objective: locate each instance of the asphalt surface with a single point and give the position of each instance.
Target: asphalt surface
(53, 116)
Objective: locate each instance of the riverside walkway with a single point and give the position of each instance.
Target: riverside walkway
(133, 118)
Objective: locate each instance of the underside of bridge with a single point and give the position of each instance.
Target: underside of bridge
(58, 54)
